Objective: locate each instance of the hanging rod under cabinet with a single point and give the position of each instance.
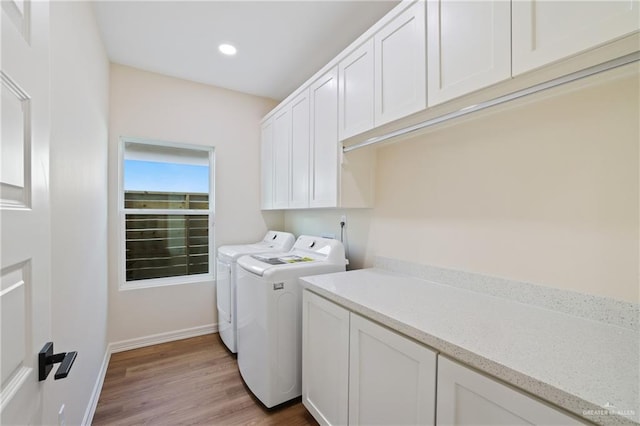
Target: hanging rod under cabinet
(578, 75)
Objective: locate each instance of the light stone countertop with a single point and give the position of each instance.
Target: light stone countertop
(575, 363)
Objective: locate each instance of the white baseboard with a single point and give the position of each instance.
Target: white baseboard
(140, 342)
(97, 388)
(154, 339)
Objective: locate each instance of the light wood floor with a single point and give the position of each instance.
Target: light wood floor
(192, 381)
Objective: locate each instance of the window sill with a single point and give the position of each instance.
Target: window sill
(169, 281)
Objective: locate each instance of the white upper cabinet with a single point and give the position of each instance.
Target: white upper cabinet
(266, 162)
(281, 148)
(383, 77)
(300, 133)
(547, 31)
(325, 158)
(355, 94)
(302, 162)
(469, 46)
(468, 398)
(400, 66)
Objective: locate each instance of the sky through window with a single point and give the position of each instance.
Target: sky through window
(165, 177)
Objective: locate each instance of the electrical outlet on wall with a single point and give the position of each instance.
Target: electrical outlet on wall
(343, 219)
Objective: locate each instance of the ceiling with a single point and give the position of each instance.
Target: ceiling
(280, 43)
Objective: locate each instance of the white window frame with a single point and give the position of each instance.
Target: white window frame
(122, 212)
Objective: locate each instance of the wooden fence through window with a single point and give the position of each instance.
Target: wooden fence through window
(166, 245)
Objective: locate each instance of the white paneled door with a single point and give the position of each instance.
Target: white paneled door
(24, 209)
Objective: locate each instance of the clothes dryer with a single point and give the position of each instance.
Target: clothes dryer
(226, 272)
(270, 318)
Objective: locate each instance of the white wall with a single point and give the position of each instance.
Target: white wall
(79, 124)
(546, 192)
(153, 106)
(326, 222)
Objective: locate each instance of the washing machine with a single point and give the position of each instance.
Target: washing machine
(269, 315)
(226, 273)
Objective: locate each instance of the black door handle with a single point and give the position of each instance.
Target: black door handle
(46, 359)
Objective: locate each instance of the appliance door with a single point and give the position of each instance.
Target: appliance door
(224, 294)
(269, 337)
(254, 339)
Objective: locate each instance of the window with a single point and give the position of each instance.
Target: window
(166, 213)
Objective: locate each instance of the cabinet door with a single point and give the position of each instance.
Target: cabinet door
(392, 379)
(266, 164)
(469, 398)
(281, 144)
(546, 31)
(400, 66)
(300, 131)
(355, 104)
(469, 46)
(324, 141)
(325, 359)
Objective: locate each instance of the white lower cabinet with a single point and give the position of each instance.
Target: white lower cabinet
(392, 380)
(325, 359)
(357, 372)
(469, 398)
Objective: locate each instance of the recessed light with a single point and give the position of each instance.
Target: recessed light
(227, 49)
